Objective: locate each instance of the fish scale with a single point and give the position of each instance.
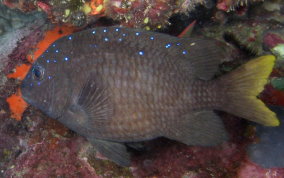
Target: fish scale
(117, 85)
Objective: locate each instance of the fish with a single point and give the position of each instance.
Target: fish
(115, 85)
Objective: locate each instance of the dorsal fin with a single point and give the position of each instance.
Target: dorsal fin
(205, 56)
(187, 31)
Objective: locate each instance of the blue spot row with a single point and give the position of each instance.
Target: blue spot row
(106, 39)
(65, 59)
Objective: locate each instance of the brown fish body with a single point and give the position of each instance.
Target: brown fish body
(119, 85)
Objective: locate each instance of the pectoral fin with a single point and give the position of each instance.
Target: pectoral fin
(94, 100)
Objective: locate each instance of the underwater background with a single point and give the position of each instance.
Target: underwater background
(33, 145)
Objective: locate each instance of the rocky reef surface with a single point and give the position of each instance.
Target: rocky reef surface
(33, 145)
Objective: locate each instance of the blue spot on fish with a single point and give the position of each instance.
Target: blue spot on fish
(184, 52)
(168, 45)
(152, 38)
(66, 58)
(94, 32)
(137, 33)
(141, 53)
(93, 45)
(106, 39)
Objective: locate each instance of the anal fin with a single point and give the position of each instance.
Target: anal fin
(203, 128)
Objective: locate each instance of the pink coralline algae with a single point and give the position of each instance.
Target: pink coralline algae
(61, 160)
(249, 169)
(46, 150)
(272, 39)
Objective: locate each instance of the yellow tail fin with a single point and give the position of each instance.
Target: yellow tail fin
(242, 88)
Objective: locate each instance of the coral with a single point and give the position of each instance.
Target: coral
(230, 5)
(23, 5)
(71, 12)
(274, 41)
(150, 14)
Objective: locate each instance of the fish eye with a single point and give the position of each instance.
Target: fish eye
(37, 72)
